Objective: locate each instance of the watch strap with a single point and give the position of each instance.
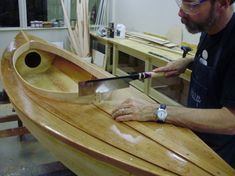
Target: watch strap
(162, 106)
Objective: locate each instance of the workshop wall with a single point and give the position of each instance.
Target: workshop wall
(154, 16)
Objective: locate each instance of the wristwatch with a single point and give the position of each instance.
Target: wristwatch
(161, 114)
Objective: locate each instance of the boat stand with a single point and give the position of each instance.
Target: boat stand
(20, 130)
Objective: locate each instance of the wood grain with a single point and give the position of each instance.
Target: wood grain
(84, 136)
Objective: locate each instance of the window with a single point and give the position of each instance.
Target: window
(21, 13)
(9, 13)
(54, 10)
(73, 14)
(92, 8)
(36, 10)
(44, 10)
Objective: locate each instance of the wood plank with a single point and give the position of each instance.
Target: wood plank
(71, 34)
(19, 131)
(9, 118)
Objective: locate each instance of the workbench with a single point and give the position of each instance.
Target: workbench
(140, 51)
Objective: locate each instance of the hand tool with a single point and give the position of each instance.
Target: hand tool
(109, 84)
(185, 49)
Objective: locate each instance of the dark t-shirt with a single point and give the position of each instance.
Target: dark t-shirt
(224, 85)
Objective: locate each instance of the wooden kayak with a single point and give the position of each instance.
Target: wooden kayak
(41, 81)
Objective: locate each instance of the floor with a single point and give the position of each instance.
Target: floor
(26, 157)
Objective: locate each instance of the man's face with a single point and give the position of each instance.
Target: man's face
(202, 21)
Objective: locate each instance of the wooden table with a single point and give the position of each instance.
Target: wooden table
(141, 52)
(108, 45)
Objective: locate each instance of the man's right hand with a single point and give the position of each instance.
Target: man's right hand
(174, 68)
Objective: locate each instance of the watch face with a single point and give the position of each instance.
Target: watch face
(161, 113)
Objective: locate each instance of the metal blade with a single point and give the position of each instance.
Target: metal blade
(102, 85)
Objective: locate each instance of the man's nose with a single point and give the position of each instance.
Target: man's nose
(181, 13)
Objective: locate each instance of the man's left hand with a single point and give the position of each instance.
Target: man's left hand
(134, 110)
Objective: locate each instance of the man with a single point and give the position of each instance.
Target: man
(211, 101)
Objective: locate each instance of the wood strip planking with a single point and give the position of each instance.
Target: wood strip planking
(74, 137)
(199, 153)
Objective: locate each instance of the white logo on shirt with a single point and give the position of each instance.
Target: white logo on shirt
(195, 97)
(203, 59)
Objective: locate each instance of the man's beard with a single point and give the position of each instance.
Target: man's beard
(202, 26)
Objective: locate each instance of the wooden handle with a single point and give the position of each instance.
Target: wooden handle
(156, 75)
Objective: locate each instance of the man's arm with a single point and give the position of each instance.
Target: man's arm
(220, 121)
(175, 68)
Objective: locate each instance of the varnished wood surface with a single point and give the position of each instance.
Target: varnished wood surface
(141, 50)
(88, 131)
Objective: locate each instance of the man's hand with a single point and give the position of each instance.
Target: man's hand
(175, 68)
(134, 110)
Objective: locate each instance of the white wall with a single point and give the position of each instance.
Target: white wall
(51, 35)
(154, 16)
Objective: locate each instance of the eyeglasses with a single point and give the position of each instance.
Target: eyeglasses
(190, 7)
